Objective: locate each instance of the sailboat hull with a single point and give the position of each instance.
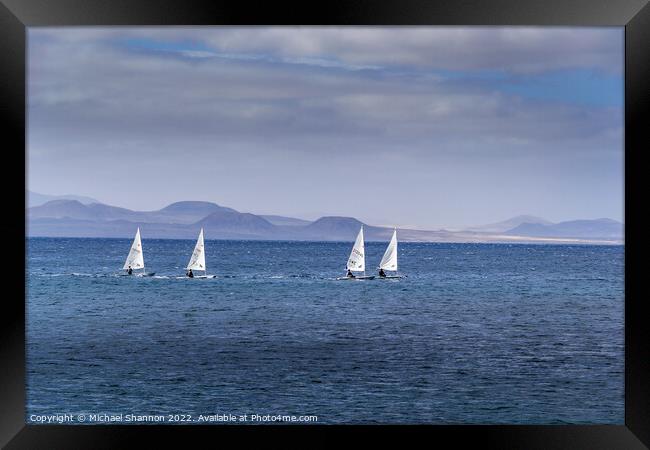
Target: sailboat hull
(196, 276)
(369, 277)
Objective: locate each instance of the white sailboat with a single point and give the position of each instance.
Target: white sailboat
(389, 260)
(357, 260)
(135, 259)
(197, 260)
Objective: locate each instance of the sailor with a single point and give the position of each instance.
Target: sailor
(130, 271)
(190, 274)
(350, 274)
(382, 274)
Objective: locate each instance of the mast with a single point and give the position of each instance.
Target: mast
(143, 270)
(205, 266)
(363, 238)
(363, 244)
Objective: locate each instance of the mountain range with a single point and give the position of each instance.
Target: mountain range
(598, 228)
(36, 199)
(74, 218)
(509, 224)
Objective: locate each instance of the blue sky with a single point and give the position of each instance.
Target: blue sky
(413, 126)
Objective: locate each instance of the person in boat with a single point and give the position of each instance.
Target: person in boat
(190, 274)
(350, 274)
(129, 271)
(382, 274)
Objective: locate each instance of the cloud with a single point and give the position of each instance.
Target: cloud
(146, 94)
(510, 49)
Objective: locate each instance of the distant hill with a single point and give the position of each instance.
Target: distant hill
(37, 199)
(334, 225)
(187, 212)
(285, 221)
(74, 209)
(597, 228)
(336, 228)
(236, 222)
(500, 227)
(180, 212)
(59, 209)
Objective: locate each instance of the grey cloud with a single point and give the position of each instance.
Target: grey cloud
(516, 49)
(138, 94)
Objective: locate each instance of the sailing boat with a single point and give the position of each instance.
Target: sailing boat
(357, 260)
(389, 260)
(197, 260)
(135, 260)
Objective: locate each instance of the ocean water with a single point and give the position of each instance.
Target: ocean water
(476, 333)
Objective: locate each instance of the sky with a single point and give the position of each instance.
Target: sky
(422, 127)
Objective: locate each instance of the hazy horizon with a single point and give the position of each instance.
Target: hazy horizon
(429, 127)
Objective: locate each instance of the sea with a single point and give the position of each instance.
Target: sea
(473, 334)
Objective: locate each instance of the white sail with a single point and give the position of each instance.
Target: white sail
(357, 260)
(135, 258)
(197, 261)
(389, 261)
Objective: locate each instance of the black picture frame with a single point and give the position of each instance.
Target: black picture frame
(16, 15)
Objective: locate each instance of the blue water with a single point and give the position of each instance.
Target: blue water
(477, 333)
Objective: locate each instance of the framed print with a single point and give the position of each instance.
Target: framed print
(395, 219)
